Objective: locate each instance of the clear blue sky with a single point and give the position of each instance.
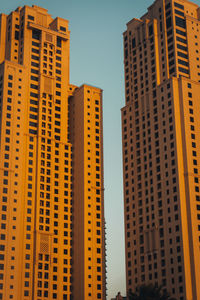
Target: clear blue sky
(97, 58)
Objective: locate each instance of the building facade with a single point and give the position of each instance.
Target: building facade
(51, 166)
(161, 157)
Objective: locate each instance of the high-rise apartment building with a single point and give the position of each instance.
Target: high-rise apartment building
(161, 148)
(51, 166)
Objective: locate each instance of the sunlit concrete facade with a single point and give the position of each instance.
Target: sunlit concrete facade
(89, 244)
(161, 142)
(51, 166)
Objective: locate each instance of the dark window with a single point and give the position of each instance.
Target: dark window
(34, 95)
(169, 22)
(182, 55)
(36, 34)
(35, 87)
(182, 62)
(32, 124)
(180, 22)
(150, 30)
(179, 39)
(59, 42)
(34, 109)
(34, 71)
(34, 78)
(178, 5)
(16, 35)
(181, 32)
(178, 12)
(183, 70)
(34, 64)
(35, 57)
(126, 54)
(33, 102)
(35, 50)
(35, 44)
(133, 43)
(181, 47)
(31, 18)
(22, 33)
(169, 32)
(62, 28)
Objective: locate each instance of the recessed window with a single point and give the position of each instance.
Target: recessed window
(30, 17)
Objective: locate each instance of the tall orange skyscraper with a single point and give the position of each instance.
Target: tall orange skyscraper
(51, 166)
(161, 148)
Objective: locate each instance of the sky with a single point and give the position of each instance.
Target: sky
(96, 58)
